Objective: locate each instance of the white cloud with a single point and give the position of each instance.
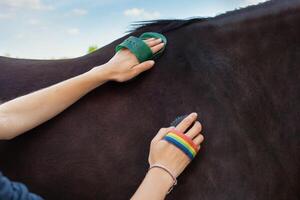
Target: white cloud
(134, 12)
(73, 31)
(33, 21)
(79, 12)
(141, 13)
(25, 4)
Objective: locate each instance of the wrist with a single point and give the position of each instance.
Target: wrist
(107, 71)
(161, 178)
(155, 185)
(100, 74)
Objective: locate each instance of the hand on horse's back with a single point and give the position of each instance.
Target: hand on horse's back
(124, 65)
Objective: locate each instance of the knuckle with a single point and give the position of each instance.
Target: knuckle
(199, 139)
(187, 120)
(135, 72)
(198, 126)
(150, 159)
(202, 137)
(152, 141)
(163, 129)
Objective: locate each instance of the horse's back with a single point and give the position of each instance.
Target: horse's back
(242, 79)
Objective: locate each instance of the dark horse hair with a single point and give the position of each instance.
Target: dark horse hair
(239, 71)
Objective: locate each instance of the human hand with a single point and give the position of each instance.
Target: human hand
(124, 65)
(168, 155)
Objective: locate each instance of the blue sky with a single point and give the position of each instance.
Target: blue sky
(66, 28)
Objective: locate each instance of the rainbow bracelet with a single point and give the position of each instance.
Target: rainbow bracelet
(183, 142)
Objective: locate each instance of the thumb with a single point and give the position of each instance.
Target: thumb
(143, 66)
(161, 133)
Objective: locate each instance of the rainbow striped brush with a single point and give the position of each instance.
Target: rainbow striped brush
(183, 142)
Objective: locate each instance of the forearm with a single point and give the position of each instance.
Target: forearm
(166, 160)
(26, 112)
(154, 186)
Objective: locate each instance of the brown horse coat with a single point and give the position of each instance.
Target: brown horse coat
(239, 71)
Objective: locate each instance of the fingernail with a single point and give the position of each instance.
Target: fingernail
(194, 114)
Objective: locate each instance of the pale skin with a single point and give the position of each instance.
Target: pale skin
(26, 112)
(157, 182)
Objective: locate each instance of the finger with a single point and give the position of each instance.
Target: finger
(198, 140)
(195, 130)
(158, 47)
(149, 39)
(186, 122)
(137, 69)
(153, 42)
(161, 133)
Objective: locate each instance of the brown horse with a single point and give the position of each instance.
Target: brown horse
(239, 71)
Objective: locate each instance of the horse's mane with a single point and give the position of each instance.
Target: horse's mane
(241, 78)
(167, 25)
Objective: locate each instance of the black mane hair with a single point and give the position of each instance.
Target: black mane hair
(167, 25)
(239, 71)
